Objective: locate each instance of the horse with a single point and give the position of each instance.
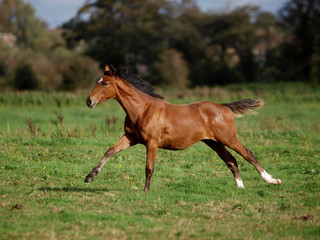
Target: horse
(154, 122)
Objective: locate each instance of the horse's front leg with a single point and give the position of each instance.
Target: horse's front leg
(122, 144)
(152, 150)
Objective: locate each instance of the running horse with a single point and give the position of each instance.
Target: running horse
(152, 121)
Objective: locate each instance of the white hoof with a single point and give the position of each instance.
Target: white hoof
(269, 179)
(239, 183)
(279, 181)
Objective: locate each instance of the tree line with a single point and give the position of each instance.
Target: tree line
(174, 43)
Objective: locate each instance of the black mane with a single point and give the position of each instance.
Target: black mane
(144, 86)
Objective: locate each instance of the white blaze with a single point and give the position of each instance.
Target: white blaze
(100, 80)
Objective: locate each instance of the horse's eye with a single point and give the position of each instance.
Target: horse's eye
(105, 84)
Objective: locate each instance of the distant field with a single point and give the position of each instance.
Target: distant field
(49, 142)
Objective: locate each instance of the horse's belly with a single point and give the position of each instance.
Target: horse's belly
(174, 146)
(181, 141)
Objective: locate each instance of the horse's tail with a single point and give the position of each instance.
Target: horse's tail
(244, 106)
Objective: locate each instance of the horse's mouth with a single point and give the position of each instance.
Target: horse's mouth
(93, 105)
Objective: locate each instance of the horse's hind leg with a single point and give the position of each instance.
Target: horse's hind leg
(248, 155)
(226, 156)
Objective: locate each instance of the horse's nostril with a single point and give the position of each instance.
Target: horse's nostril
(88, 102)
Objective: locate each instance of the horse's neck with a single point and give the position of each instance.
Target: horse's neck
(132, 100)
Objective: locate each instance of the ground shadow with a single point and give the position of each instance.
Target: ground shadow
(73, 189)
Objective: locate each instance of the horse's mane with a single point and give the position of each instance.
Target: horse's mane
(144, 86)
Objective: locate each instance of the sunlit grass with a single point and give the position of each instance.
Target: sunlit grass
(193, 193)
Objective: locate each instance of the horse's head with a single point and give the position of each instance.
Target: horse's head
(105, 88)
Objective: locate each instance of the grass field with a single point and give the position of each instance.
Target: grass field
(49, 142)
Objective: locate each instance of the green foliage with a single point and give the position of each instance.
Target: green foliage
(43, 51)
(18, 18)
(301, 62)
(172, 69)
(193, 194)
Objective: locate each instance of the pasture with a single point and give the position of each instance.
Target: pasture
(49, 142)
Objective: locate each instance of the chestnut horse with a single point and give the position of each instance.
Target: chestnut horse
(155, 123)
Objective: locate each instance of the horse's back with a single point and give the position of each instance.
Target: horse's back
(180, 126)
(185, 125)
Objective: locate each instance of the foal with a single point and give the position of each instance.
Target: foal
(155, 123)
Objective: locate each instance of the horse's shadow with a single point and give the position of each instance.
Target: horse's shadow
(73, 189)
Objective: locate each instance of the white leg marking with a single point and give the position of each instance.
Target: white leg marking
(239, 183)
(269, 179)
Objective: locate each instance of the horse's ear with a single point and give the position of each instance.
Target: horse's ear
(109, 69)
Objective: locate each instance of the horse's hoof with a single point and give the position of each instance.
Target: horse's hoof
(279, 181)
(88, 179)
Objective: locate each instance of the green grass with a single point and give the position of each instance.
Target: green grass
(193, 194)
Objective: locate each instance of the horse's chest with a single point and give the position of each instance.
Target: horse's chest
(140, 131)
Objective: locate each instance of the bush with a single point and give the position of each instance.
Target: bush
(78, 73)
(26, 78)
(172, 69)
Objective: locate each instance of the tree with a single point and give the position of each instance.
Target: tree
(300, 57)
(172, 69)
(121, 32)
(235, 31)
(19, 18)
(186, 35)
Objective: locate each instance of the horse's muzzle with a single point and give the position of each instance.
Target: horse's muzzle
(88, 102)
